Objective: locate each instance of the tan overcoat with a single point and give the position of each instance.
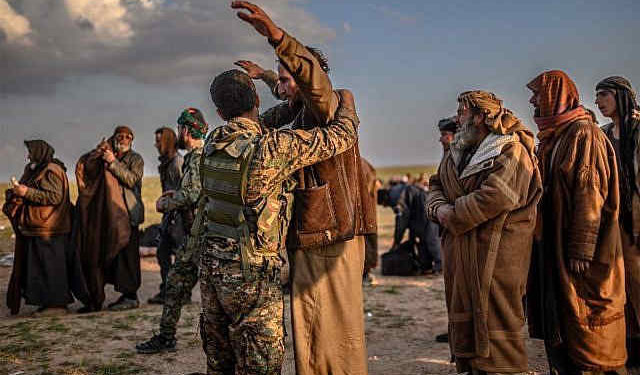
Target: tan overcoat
(487, 247)
(579, 213)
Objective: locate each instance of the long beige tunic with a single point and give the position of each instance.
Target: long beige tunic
(486, 251)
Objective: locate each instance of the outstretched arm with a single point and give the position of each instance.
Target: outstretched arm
(255, 71)
(312, 80)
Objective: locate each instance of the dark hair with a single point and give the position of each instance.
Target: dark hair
(233, 93)
(320, 56)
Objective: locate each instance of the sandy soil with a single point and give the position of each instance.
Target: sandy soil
(403, 315)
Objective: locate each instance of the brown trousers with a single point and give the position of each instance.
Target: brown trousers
(327, 309)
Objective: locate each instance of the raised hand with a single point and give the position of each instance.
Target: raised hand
(254, 70)
(20, 190)
(258, 19)
(108, 156)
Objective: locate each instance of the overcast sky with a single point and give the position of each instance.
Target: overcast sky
(73, 69)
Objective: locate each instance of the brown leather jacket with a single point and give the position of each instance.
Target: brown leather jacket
(332, 203)
(47, 208)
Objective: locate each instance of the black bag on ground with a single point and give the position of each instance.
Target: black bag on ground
(400, 261)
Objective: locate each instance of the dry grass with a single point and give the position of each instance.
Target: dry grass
(415, 170)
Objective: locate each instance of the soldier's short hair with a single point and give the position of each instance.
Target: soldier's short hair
(233, 93)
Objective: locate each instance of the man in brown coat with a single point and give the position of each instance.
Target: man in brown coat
(110, 209)
(46, 270)
(616, 100)
(484, 196)
(576, 292)
(333, 211)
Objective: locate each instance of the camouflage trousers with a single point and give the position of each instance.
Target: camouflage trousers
(241, 321)
(182, 277)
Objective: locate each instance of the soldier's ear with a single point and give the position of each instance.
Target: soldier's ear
(220, 114)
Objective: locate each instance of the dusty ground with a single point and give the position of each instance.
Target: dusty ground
(403, 315)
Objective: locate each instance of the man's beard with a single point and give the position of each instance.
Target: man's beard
(466, 137)
(182, 144)
(121, 147)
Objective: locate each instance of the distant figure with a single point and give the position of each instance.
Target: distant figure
(171, 229)
(110, 210)
(423, 233)
(485, 196)
(46, 269)
(447, 127)
(576, 291)
(617, 100)
(370, 240)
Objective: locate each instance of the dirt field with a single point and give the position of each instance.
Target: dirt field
(403, 315)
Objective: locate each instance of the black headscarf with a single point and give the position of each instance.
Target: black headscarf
(40, 155)
(625, 105)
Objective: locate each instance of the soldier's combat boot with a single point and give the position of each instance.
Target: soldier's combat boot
(157, 344)
(158, 299)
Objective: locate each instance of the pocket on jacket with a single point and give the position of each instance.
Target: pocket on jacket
(314, 210)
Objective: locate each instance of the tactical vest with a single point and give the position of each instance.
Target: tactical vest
(259, 229)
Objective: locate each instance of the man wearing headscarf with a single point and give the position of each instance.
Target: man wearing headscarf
(576, 287)
(484, 197)
(45, 270)
(171, 228)
(616, 100)
(183, 275)
(110, 210)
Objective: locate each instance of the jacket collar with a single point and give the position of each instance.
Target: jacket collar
(490, 147)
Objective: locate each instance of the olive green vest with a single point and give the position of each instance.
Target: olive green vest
(259, 229)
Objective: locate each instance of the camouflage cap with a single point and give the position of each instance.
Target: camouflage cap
(193, 120)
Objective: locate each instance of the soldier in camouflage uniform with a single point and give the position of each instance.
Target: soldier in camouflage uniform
(183, 275)
(247, 184)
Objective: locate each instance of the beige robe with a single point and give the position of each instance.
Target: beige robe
(486, 249)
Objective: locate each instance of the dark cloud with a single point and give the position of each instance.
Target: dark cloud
(150, 41)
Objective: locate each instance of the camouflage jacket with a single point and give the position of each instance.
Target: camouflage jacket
(278, 155)
(186, 197)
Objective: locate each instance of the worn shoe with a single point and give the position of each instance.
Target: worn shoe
(368, 279)
(443, 337)
(124, 303)
(157, 344)
(158, 299)
(86, 309)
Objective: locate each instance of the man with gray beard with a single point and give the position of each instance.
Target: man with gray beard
(110, 209)
(484, 197)
(127, 166)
